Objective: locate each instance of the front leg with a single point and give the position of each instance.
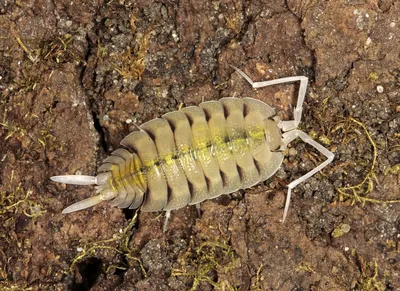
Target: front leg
(287, 138)
(291, 124)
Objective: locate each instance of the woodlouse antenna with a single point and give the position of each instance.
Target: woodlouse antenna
(290, 129)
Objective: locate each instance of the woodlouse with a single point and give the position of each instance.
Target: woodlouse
(198, 153)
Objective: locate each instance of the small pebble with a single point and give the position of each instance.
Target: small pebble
(292, 152)
(379, 89)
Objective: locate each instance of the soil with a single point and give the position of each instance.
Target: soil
(75, 78)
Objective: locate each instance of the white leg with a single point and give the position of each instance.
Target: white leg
(290, 128)
(285, 125)
(287, 138)
(198, 209)
(167, 216)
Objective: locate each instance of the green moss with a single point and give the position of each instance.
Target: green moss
(10, 286)
(305, 266)
(15, 200)
(12, 130)
(130, 64)
(395, 170)
(57, 50)
(373, 76)
(31, 56)
(199, 262)
(122, 239)
(358, 193)
(369, 280)
(257, 286)
(40, 60)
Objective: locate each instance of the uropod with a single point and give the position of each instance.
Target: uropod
(199, 153)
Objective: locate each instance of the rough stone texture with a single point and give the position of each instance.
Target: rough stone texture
(76, 78)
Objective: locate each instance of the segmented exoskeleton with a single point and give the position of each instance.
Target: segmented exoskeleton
(197, 153)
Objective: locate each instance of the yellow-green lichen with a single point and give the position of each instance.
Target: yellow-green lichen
(341, 230)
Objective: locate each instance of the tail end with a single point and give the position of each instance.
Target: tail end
(102, 189)
(86, 203)
(75, 179)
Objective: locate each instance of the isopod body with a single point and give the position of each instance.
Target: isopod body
(197, 153)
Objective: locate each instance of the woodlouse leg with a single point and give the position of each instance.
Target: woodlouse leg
(167, 216)
(287, 138)
(290, 128)
(291, 124)
(198, 209)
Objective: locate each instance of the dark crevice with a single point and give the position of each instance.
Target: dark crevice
(245, 25)
(54, 105)
(128, 213)
(86, 58)
(96, 121)
(121, 272)
(225, 43)
(89, 271)
(340, 83)
(99, 129)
